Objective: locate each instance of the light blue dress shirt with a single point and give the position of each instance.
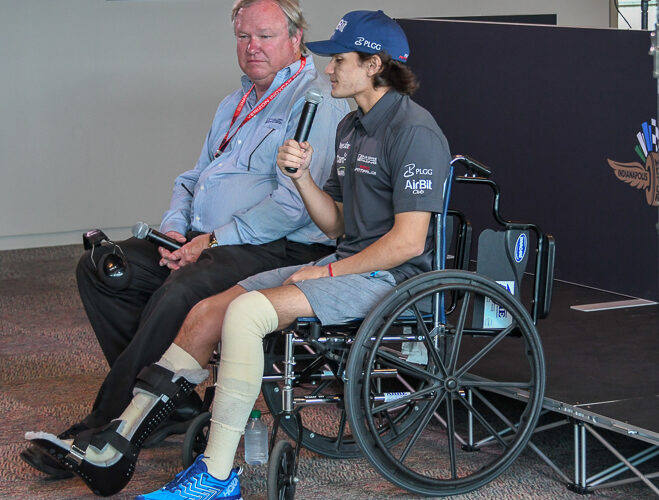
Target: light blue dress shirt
(242, 195)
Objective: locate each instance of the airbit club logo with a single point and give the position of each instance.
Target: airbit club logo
(643, 175)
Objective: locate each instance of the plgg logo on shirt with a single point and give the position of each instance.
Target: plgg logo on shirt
(412, 170)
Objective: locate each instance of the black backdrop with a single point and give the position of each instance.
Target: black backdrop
(545, 107)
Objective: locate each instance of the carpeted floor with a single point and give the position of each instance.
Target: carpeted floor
(51, 367)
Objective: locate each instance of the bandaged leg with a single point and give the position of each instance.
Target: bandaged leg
(105, 459)
(248, 319)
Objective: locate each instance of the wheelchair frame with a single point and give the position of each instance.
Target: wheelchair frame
(392, 398)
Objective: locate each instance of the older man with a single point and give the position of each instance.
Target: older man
(240, 214)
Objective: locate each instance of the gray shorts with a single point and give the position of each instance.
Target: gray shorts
(334, 300)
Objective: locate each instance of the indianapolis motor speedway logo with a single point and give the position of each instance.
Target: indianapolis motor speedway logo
(643, 175)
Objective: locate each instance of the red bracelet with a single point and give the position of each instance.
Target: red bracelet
(329, 266)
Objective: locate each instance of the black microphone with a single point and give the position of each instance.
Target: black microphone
(312, 100)
(142, 231)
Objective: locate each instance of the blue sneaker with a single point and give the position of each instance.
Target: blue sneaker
(195, 483)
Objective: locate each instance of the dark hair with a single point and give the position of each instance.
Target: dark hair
(292, 11)
(393, 74)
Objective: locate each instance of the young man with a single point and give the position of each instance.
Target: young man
(387, 177)
(241, 214)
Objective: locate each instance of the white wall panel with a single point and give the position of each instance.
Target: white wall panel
(103, 103)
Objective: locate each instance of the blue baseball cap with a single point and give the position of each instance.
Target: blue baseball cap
(365, 31)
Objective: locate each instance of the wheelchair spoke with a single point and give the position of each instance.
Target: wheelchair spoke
(457, 339)
(427, 336)
(450, 434)
(478, 356)
(423, 422)
(434, 355)
(405, 399)
(419, 321)
(430, 348)
(402, 365)
(483, 422)
(391, 425)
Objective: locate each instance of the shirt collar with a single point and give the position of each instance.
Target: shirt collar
(377, 114)
(281, 76)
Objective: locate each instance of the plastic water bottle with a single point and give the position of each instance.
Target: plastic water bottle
(256, 439)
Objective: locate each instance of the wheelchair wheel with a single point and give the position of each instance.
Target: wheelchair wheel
(281, 472)
(483, 387)
(196, 438)
(328, 432)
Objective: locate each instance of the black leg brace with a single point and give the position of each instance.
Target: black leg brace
(108, 480)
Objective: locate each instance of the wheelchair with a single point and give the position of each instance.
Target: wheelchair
(435, 363)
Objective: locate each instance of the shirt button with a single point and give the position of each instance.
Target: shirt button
(239, 141)
(198, 218)
(219, 164)
(201, 188)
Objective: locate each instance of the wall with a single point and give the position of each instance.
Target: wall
(555, 113)
(103, 103)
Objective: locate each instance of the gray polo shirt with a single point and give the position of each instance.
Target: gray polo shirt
(391, 160)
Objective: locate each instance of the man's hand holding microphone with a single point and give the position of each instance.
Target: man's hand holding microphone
(172, 247)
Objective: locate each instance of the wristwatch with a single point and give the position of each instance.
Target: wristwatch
(212, 242)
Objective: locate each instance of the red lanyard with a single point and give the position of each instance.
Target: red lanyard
(257, 109)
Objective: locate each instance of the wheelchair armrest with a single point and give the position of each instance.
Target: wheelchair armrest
(472, 166)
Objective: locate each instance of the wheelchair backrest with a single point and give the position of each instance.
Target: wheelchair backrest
(503, 254)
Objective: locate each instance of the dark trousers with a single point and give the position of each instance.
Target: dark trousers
(135, 326)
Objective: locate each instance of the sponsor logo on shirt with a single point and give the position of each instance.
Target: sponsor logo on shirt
(365, 169)
(367, 159)
(344, 145)
(277, 121)
(411, 170)
(341, 159)
(419, 186)
(341, 170)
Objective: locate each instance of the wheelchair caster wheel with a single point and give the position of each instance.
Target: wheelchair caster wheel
(281, 480)
(196, 438)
